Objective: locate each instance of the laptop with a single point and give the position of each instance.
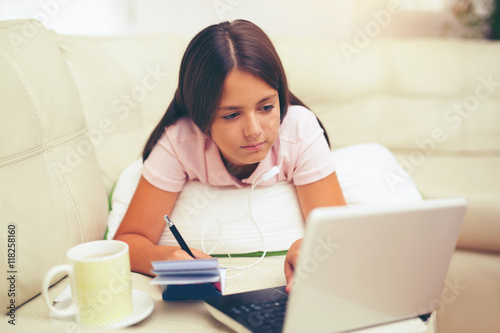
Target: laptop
(359, 267)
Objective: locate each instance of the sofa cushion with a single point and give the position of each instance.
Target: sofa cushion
(471, 176)
(52, 195)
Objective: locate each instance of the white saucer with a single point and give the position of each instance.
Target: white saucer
(143, 306)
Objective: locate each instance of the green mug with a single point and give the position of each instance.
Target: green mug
(101, 291)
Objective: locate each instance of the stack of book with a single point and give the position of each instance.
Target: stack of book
(189, 279)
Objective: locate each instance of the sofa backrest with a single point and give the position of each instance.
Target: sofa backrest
(46, 206)
(125, 85)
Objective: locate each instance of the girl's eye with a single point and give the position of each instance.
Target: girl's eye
(268, 107)
(230, 116)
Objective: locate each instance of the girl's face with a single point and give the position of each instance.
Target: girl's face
(247, 122)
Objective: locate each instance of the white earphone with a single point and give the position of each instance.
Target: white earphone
(266, 175)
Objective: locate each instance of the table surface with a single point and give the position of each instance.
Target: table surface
(179, 316)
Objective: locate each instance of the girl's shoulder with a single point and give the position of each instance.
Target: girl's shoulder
(298, 121)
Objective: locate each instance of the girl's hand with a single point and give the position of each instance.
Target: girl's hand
(290, 262)
(176, 253)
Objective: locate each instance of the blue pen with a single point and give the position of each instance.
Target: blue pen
(178, 236)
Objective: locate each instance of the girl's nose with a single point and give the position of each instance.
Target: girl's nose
(252, 126)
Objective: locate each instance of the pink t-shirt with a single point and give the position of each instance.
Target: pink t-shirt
(184, 153)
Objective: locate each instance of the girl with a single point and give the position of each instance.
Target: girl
(231, 119)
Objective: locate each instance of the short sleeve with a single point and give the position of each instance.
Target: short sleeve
(163, 168)
(314, 160)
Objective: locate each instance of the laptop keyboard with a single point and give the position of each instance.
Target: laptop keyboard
(265, 317)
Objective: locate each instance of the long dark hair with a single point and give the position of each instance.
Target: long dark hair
(208, 59)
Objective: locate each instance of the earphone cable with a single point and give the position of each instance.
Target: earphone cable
(250, 199)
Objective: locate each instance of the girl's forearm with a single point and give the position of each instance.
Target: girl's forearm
(143, 251)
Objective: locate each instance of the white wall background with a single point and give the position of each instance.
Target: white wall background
(340, 19)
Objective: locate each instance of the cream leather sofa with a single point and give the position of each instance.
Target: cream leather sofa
(76, 111)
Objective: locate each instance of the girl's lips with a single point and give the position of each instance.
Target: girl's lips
(254, 147)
